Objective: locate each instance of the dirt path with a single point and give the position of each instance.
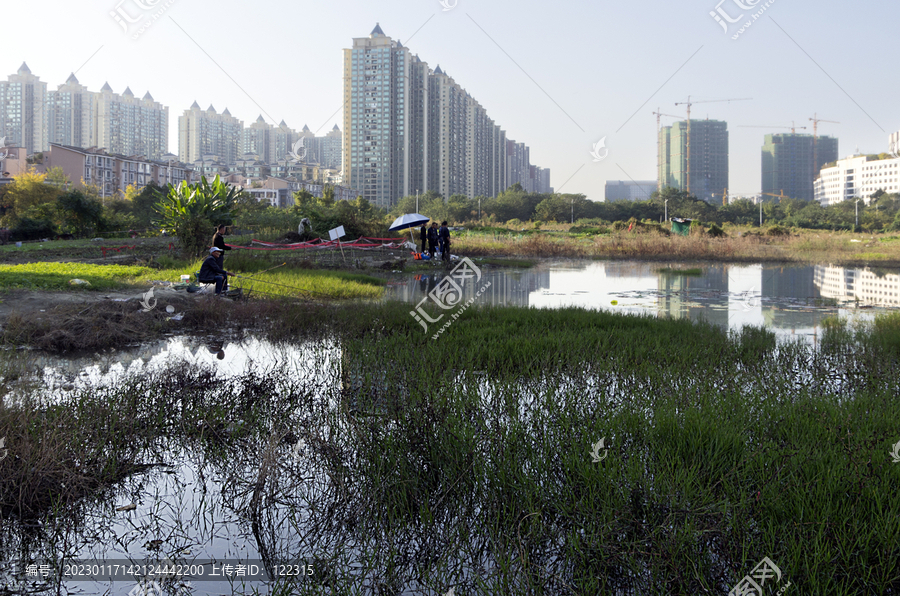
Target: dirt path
(31, 303)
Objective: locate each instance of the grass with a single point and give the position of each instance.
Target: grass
(466, 462)
(806, 246)
(689, 272)
(318, 284)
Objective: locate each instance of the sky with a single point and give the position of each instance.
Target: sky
(557, 76)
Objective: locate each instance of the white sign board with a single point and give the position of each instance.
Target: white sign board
(336, 233)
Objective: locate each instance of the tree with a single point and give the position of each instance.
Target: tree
(80, 213)
(193, 211)
(28, 190)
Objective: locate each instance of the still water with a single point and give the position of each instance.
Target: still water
(791, 300)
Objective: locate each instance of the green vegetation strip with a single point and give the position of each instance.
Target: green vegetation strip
(290, 282)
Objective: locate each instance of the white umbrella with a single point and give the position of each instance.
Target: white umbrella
(408, 220)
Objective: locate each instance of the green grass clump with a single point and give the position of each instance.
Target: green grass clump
(689, 272)
(280, 282)
(56, 276)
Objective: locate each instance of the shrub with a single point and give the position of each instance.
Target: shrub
(33, 229)
(777, 231)
(715, 231)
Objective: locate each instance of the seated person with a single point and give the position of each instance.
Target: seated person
(212, 272)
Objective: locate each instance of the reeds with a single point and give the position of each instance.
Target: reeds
(467, 461)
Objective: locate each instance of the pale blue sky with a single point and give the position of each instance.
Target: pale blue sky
(588, 69)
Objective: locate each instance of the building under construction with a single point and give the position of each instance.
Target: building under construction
(788, 163)
(707, 155)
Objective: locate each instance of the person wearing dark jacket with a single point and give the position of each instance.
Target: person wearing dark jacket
(219, 242)
(212, 272)
(423, 236)
(444, 236)
(432, 239)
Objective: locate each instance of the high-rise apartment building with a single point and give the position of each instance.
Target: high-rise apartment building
(787, 163)
(708, 157)
(71, 112)
(408, 128)
(259, 138)
(205, 132)
(125, 125)
(23, 99)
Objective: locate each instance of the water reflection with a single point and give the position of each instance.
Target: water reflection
(789, 299)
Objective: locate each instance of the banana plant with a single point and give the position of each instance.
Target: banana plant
(192, 211)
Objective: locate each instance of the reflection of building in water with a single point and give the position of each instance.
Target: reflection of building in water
(508, 288)
(864, 285)
(679, 295)
(792, 294)
(629, 269)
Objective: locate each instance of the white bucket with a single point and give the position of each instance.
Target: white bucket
(18, 245)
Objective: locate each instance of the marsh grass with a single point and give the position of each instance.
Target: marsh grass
(466, 461)
(741, 245)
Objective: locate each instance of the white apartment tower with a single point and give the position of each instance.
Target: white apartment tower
(204, 132)
(128, 126)
(376, 84)
(409, 129)
(70, 114)
(259, 138)
(22, 117)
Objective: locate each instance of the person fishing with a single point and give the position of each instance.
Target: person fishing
(219, 242)
(212, 272)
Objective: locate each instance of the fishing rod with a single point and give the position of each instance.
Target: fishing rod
(276, 284)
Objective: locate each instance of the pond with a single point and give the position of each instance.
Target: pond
(791, 300)
(273, 461)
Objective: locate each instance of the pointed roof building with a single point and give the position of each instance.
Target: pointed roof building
(148, 96)
(106, 88)
(377, 31)
(72, 80)
(24, 69)
(195, 105)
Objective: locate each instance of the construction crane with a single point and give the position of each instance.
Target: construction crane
(815, 120)
(659, 149)
(689, 103)
(792, 127)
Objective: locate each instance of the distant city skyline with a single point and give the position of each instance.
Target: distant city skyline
(560, 76)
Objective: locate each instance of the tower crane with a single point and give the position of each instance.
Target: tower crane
(689, 103)
(659, 148)
(815, 120)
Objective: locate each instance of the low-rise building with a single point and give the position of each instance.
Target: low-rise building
(111, 173)
(629, 190)
(857, 176)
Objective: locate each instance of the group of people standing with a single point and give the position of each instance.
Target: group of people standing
(436, 239)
